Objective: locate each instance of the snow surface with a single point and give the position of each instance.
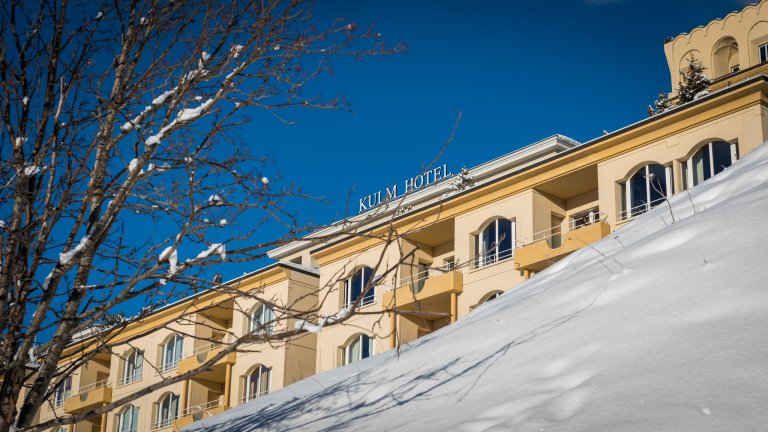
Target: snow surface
(659, 326)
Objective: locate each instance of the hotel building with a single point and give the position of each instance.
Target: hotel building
(462, 239)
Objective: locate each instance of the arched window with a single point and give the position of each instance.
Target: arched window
(128, 419)
(173, 350)
(495, 243)
(356, 285)
(359, 348)
(167, 411)
(133, 366)
(262, 319)
(709, 160)
(493, 296)
(647, 188)
(257, 383)
(725, 57)
(63, 391)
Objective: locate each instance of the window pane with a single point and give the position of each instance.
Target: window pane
(505, 238)
(488, 242)
(366, 349)
(657, 183)
(721, 156)
(367, 279)
(638, 191)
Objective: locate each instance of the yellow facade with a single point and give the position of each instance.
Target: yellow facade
(455, 246)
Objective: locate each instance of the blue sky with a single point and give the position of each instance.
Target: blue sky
(517, 71)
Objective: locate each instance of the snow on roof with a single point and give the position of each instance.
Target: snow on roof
(659, 326)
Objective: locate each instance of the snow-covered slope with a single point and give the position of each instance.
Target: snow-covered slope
(660, 326)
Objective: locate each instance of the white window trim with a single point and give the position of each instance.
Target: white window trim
(348, 300)
(689, 162)
(177, 356)
(162, 423)
(347, 353)
(248, 396)
(483, 259)
(648, 187)
(265, 326)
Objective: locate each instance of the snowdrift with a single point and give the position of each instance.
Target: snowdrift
(660, 326)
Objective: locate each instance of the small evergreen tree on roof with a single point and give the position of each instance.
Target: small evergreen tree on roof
(692, 82)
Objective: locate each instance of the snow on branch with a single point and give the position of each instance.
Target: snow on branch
(65, 257)
(324, 321)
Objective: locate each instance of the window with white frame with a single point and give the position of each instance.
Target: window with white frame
(648, 187)
(355, 286)
(128, 420)
(359, 348)
(167, 411)
(710, 160)
(493, 296)
(495, 243)
(762, 51)
(257, 383)
(173, 350)
(133, 367)
(262, 319)
(63, 391)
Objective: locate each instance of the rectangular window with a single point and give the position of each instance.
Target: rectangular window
(734, 69)
(63, 391)
(449, 264)
(763, 51)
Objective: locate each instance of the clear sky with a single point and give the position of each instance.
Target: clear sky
(518, 71)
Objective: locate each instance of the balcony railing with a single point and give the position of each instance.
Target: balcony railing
(196, 409)
(127, 379)
(638, 210)
(93, 386)
(493, 257)
(205, 348)
(555, 235)
(58, 401)
(248, 398)
(171, 365)
(162, 424)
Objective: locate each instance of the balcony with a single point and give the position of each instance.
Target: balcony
(90, 397)
(551, 245)
(427, 294)
(201, 354)
(199, 412)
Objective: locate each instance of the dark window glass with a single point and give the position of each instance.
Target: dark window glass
(721, 156)
(657, 183)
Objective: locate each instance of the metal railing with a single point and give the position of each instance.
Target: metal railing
(127, 379)
(162, 424)
(206, 348)
(251, 397)
(554, 235)
(200, 408)
(171, 365)
(58, 401)
(493, 257)
(638, 210)
(93, 386)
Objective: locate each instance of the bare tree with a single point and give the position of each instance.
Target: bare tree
(119, 116)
